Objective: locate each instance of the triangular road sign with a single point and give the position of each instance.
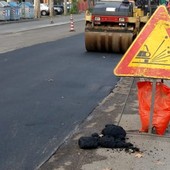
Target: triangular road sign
(149, 54)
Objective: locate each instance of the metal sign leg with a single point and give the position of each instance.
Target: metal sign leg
(152, 105)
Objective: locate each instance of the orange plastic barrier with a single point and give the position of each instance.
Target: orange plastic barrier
(161, 115)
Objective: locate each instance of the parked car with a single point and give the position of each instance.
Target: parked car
(59, 9)
(44, 9)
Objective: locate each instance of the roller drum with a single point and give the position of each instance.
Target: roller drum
(107, 41)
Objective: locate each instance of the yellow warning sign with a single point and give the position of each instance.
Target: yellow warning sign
(149, 54)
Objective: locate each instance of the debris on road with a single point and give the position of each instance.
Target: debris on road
(139, 155)
(112, 136)
(107, 169)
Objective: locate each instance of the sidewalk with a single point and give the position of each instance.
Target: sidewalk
(28, 24)
(154, 150)
(21, 32)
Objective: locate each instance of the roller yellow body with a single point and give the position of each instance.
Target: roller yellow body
(106, 31)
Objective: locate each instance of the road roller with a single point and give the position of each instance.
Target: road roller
(111, 26)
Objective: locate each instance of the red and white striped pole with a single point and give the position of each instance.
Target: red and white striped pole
(71, 23)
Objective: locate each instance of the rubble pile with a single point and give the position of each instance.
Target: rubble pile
(112, 136)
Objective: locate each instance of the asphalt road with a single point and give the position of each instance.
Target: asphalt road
(47, 90)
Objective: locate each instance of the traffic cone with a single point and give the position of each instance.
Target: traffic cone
(71, 23)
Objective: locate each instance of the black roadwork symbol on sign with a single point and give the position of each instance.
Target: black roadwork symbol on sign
(145, 55)
(160, 57)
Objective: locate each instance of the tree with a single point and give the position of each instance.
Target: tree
(37, 13)
(51, 7)
(74, 8)
(65, 7)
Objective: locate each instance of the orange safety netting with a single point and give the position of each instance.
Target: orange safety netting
(161, 115)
